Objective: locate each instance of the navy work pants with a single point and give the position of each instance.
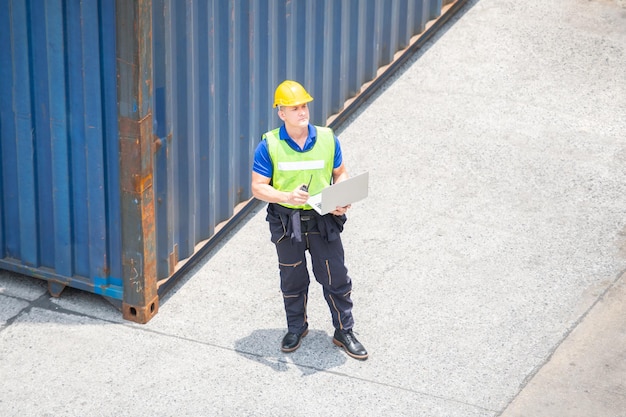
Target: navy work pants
(328, 267)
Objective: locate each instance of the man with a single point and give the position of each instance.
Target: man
(289, 163)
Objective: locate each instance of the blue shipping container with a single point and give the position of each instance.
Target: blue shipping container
(127, 128)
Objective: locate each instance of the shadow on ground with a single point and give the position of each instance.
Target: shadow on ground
(317, 352)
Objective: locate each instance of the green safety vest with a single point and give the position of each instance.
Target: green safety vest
(292, 168)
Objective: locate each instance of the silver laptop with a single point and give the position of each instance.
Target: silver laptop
(340, 194)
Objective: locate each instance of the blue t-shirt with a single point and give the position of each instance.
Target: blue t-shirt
(263, 163)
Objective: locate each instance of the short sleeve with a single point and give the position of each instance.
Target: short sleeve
(338, 156)
(262, 162)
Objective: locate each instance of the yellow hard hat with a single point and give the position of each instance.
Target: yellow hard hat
(290, 93)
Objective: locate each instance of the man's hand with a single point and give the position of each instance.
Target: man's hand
(298, 196)
(341, 210)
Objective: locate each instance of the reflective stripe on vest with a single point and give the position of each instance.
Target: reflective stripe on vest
(292, 168)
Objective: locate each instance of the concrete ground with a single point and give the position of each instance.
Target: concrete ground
(488, 260)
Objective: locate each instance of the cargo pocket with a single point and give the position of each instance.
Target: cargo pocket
(328, 266)
(294, 277)
(294, 265)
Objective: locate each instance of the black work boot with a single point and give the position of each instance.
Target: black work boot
(351, 345)
(292, 341)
